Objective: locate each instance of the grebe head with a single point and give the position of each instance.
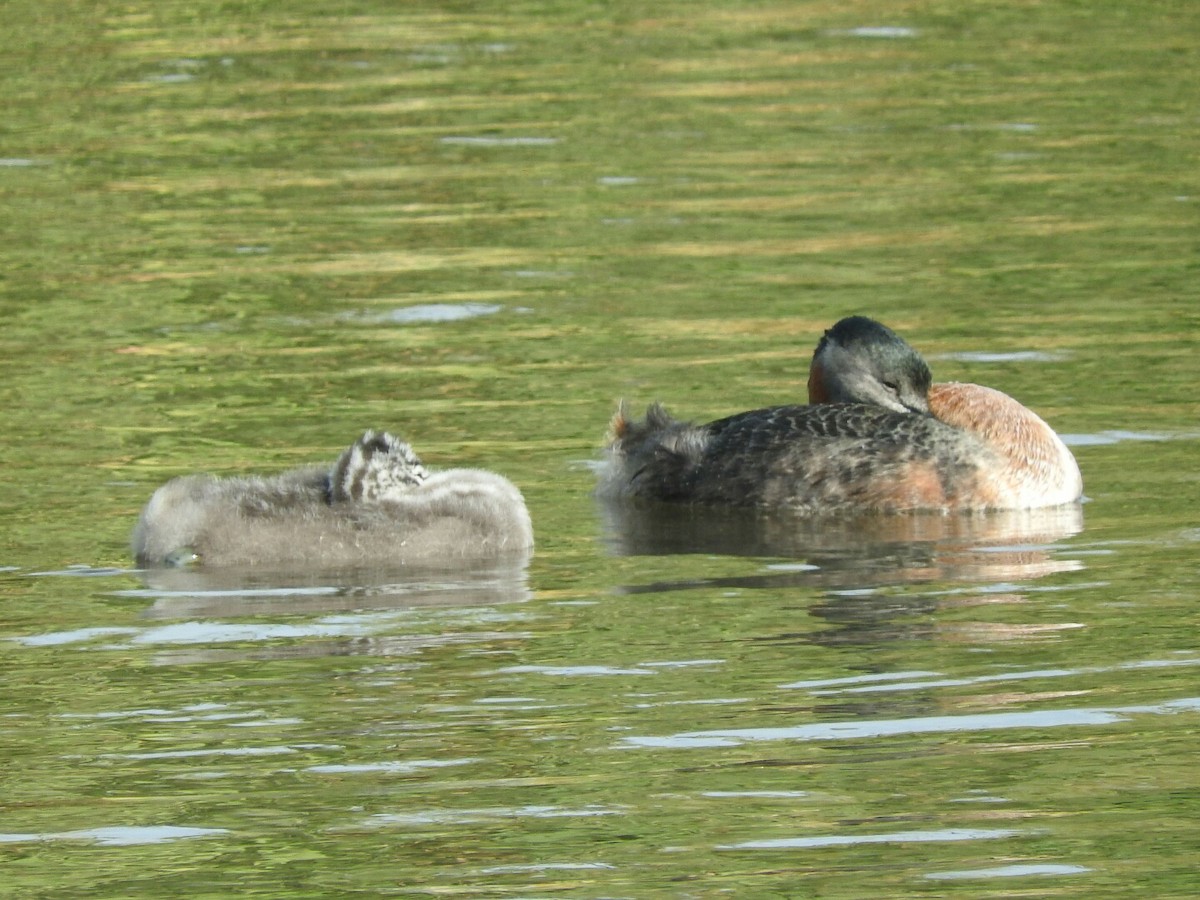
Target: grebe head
(375, 467)
(860, 361)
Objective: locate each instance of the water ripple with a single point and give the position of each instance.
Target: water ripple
(392, 767)
(574, 670)
(494, 141)
(1017, 871)
(491, 814)
(117, 835)
(896, 837)
(896, 682)
(836, 731)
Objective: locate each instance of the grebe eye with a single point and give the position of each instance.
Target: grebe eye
(892, 386)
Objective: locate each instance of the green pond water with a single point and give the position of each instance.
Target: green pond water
(236, 234)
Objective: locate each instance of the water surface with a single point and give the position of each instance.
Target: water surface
(234, 237)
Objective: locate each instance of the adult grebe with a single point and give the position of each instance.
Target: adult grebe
(869, 440)
(377, 504)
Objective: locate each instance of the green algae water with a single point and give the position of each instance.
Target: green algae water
(236, 234)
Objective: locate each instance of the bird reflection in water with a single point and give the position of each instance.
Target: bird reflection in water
(845, 552)
(232, 613)
(860, 565)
